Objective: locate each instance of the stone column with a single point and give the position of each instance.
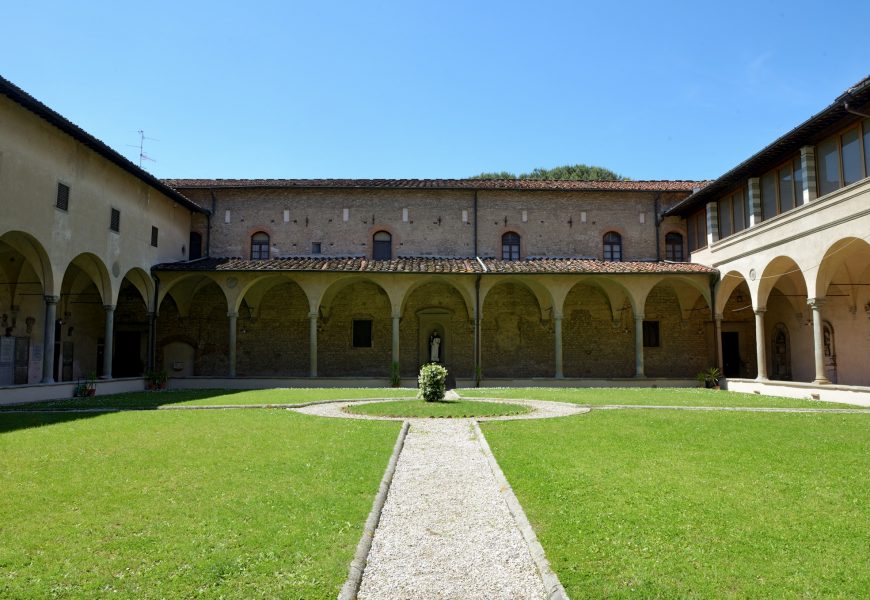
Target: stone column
(109, 336)
(754, 203)
(808, 171)
(149, 360)
(760, 344)
(232, 319)
(712, 223)
(312, 344)
(396, 339)
(717, 320)
(638, 345)
(818, 339)
(557, 326)
(48, 339)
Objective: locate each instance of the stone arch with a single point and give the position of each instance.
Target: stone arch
(846, 258)
(198, 313)
(142, 281)
(131, 324)
(327, 298)
(93, 266)
(273, 335)
(467, 299)
(681, 315)
(36, 256)
(436, 304)
(184, 288)
(542, 294)
(734, 305)
(782, 272)
(594, 343)
(254, 290)
(348, 300)
(516, 340)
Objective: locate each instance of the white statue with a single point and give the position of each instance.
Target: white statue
(434, 347)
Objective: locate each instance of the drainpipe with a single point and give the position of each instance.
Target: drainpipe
(474, 210)
(208, 230)
(658, 222)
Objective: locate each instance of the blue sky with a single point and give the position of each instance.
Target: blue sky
(676, 90)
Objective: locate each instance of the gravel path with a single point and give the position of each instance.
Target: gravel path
(446, 531)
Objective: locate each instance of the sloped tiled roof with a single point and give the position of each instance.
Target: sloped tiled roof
(417, 264)
(443, 184)
(25, 100)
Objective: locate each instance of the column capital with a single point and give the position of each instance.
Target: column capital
(717, 316)
(109, 307)
(639, 317)
(232, 315)
(51, 299)
(313, 315)
(816, 303)
(759, 311)
(557, 317)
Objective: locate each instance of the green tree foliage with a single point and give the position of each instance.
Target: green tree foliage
(569, 172)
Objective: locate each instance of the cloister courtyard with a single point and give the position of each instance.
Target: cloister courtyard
(633, 493)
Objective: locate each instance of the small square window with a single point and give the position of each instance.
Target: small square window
(362, 333)
(154, 233)
(651, 334)
(62, 196)
(315, 247)
(115, 221)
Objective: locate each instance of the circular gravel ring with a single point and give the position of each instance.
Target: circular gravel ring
(541, 409)
(471, 405)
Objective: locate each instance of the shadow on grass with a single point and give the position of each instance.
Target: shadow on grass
(126, 401)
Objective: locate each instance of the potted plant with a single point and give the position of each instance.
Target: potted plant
(710, 378)
(156, 380)
(87, 387)
(395, 375)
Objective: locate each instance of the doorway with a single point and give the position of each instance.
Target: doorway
(127, 361)
(730, 354)
(830, 352)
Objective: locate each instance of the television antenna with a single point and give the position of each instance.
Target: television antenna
(141, 146)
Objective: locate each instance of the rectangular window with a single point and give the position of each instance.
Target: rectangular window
(62, 196)
(786, 188)
(315, 247)
(851, 146)
(362, 333)
(698, 230)
(768, 196)
(828, 162)
(725, 217)
(651, 334)
(798, 182)
(115, 220)
(866, 126)
(153, 236)
(739, 206)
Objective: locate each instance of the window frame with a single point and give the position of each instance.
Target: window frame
(259, 247)
(366, 331)
(862, 128)
(155, 233)
(794, 166)
(670, 245)
(612, 247)
(63, 190)
(511, 244)
(114, 220)
(379, 246)
(651, 334)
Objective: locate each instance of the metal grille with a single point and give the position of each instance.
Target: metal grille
(153, 236)
(115, 221)
(62, 196)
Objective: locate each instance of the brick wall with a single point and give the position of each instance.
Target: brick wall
(336, 355)
(273, 340)
(515, 342)
(593, 345)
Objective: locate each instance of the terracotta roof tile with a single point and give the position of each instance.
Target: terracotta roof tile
(416, 264)
(442, 184)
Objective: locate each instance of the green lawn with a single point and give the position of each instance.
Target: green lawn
(655, 396)
(447, 409)
(218, 397)
(240, 504)
(668, 504)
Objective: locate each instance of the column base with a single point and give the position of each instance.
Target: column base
(762, 379)
(822, 381)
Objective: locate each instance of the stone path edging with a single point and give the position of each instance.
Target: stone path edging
(355, 571)
(555, 590)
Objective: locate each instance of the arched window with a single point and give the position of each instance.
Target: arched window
(674, 247)
(612, 246)
(510, 246)
(260, 246)
(382, 246)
